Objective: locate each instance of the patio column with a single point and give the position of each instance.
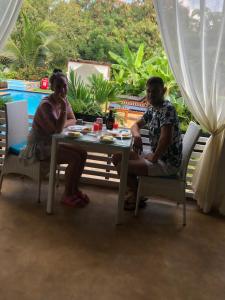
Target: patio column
(9, 10)
(193, 34)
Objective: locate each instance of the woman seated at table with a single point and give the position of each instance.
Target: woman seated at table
(52, 116)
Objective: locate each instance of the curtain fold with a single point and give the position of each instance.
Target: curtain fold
(193, 33)
(9, 10)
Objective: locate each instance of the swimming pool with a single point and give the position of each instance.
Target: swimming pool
(33, 99)
(14, 84)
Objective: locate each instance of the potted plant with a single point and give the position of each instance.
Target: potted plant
(92, 100)
(103, 91)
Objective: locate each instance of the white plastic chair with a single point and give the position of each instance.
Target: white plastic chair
(17, 129)
(171, 187)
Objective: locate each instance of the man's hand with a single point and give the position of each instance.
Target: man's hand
(135, 130)
(137, 145)
(151, 157)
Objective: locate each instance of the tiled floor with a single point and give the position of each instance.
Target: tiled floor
(80, 254)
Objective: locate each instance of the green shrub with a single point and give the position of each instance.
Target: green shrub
(3, 100)
(183, 112)
(33, 73)
(103, 91)
(80, 97)
(11, 74)
(92, 98)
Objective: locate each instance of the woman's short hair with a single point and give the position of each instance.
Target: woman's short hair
(57, 75)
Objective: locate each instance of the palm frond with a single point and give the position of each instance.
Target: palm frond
(139, 56)
(34, 45)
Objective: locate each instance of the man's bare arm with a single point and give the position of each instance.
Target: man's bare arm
(135, 130)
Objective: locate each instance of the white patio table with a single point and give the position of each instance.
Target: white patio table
(91, 144)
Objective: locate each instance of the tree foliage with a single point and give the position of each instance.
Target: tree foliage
(50, 32)
(89, 29)
(33, 46)
(131, 70)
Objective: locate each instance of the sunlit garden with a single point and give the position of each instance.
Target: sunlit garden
(50, 33)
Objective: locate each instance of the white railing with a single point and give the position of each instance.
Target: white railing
(99, 169)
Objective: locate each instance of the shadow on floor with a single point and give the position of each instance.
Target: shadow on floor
(81, 254)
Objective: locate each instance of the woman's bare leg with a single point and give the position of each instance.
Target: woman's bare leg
(75, 160)
(77, 150)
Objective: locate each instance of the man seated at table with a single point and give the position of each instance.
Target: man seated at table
(163, 157)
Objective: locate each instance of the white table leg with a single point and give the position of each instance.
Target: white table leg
(51, 185)
(122, 185)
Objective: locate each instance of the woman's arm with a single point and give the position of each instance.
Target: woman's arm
(71, 120)
(60, 123)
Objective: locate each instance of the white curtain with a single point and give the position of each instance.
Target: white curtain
(193, 32)
(9, 10)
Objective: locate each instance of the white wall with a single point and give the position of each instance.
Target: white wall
(84, 70)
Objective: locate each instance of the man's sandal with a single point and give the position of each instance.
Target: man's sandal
(129, 206)
(130, 202)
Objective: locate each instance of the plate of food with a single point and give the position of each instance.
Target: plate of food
(86, 130)
(107, 139)
(113, 132)
(124, 135)
(73, 134)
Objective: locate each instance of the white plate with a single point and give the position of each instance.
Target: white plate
(73, 137)
(76, 128)
(125, 134)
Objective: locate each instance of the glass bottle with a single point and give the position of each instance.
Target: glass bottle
(110, 120)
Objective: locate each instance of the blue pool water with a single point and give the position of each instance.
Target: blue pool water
(17, 84)
(33, 99)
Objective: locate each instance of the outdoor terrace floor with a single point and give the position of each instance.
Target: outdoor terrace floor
(80, 254)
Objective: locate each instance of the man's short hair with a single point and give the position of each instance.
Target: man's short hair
(155, 80)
